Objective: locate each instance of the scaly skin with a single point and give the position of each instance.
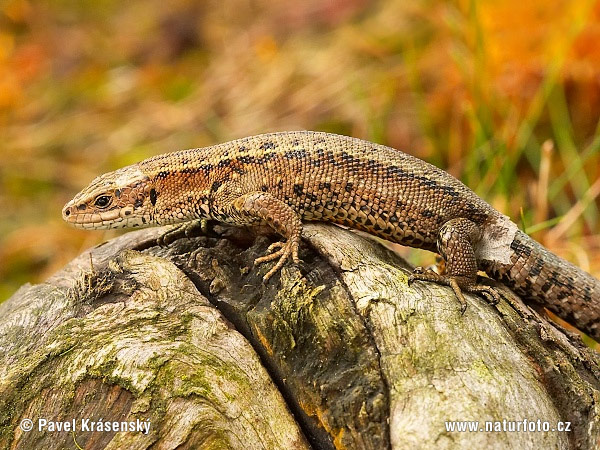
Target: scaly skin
(282, 179)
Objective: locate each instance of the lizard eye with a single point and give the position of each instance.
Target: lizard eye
(103, 201)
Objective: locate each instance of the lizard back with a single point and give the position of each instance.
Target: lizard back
(326, 177)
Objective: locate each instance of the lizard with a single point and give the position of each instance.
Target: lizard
(282, 179)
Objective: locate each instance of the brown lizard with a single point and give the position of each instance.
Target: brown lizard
(281, 179)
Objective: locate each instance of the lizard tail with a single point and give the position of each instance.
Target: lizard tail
(537, 274)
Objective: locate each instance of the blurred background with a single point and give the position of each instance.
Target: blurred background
(504, 94)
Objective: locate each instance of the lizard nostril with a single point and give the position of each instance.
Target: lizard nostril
(67, 212)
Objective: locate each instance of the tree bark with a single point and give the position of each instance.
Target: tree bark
(338, 352)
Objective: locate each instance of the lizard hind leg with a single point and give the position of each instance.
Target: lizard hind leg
(455, 244)
(261, 207)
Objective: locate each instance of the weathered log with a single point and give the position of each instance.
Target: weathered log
(337, 353)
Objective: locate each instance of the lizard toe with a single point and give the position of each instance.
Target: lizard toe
(170, 236)
(487, 292)
(286, 250)
(270, 254)
(422, 274)
(179, 231)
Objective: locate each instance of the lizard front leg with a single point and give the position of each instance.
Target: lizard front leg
(261, 207)
(455, 244)
(185, 229)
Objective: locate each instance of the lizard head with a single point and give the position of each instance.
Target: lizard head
(119, 199)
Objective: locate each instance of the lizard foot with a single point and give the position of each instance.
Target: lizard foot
(487, 292)
(286, 249)
(186, 229)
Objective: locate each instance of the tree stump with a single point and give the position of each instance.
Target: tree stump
(338, 352)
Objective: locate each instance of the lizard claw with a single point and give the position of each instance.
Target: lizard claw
(489, 293)
(286, 249)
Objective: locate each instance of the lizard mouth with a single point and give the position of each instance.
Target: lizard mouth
(103, 220)
(91, 220)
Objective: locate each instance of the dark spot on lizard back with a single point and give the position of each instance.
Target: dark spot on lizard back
(400, 204)
(237, 169)
(412, 223)
(245, 159)
(331, 160)
(138, 202)
(427, 182)
(215, 186)
(318, 159)
(153, 196)
(224, 163)
(298, 189)
(295, 154)
(394, 171)
(312, 197)
(372, 164)
(266, 157)
(190, 170)
(346, 156)
(449, 190)
(268, 145)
